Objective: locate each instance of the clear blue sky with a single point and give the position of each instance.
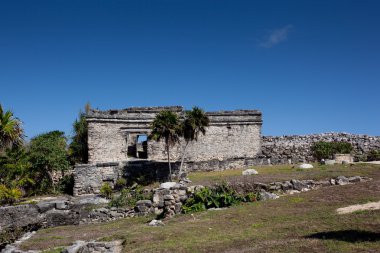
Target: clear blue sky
(309, 66)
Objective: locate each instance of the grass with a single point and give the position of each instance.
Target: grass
(283, 172)
(306, 222)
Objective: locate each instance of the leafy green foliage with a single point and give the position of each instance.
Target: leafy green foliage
(47, 154)
(106, 190)
(216, 197)
(129, 197)
(374, 155)
(78, 148)
(120, 183)
(9, 195)
(195, 123)
(66, 185)
(16, 170)
(325, 150)
(11, 132)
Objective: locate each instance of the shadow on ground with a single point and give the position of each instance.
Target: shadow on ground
(347, 236)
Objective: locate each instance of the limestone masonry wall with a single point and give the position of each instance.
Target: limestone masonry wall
(112, 136)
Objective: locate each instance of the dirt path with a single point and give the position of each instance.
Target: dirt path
(363, 207)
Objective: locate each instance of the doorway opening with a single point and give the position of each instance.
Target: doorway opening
(142, 146)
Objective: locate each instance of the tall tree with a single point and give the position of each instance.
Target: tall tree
(78, 147)
(48, 153)
(195, 123)
(167, 126)
(11, 132)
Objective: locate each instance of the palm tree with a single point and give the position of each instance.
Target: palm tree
(166, 125)
(11, 133)
(195, 123)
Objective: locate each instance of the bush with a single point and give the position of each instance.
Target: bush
(106, 190)
(66, 184)
(326, 150)
(9, 195)
(120, 183)
(129, 197)
(216, 197)
(374, 155)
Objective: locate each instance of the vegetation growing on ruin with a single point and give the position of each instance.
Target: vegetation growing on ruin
(326, 150)
(129, 197)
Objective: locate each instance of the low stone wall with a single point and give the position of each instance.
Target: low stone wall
(90, 177)
(296, 148)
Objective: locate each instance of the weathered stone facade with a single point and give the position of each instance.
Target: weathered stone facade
(232, 140)
(113, 136)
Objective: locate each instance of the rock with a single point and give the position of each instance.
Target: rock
(186, 180)
(298, 185)
(157, 198)
(61, 205)
(45, 206)
(354, 179)
(168, 197)
(156, 223)
(329, 162)
(291, 192)
(342, 180)
(332, 181)
(267, 195)
(194, 188)
(167, 185)
(285, 186)
(144, 202)
(249, 172)
(75, 247)
(305, 166)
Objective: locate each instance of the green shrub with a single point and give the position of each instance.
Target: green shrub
(216, 197)
(66, 184)
(342, 147)
(106, 190)
(326, 150)
(120, 183)
(374, 155)
(129, 197)
(9, 195)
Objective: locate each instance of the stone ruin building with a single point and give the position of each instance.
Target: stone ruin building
(118, 146)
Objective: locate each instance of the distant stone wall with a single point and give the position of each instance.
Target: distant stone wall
(297, 148)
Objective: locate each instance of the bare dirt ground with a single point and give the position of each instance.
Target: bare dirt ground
(356, 208)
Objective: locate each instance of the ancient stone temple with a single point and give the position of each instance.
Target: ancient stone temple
(118, 145)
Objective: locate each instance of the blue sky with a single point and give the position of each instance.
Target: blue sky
(309, 66)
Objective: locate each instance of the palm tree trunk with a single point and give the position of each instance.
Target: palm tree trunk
(182, 160)
(170, 166)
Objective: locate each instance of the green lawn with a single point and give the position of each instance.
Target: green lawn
(305, 222)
